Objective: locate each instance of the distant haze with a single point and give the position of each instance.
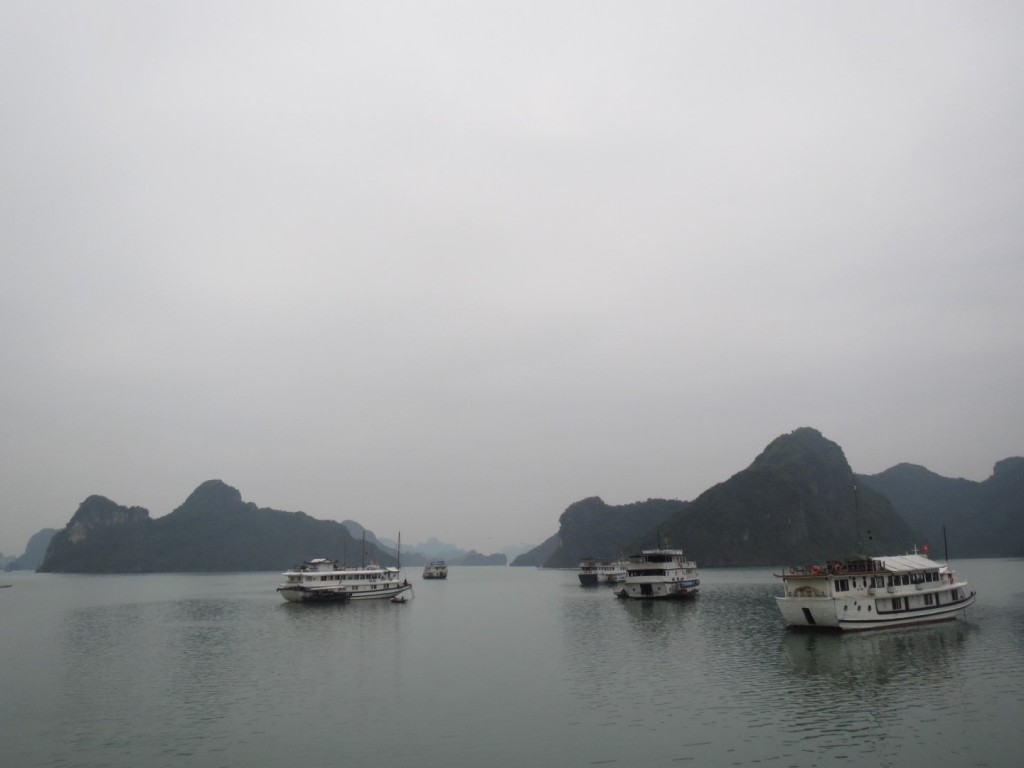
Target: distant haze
(445, 268)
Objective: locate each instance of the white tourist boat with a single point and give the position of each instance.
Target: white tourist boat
(323, 580)
(660, 574)
(872, 593)
(436, 569)
(594, 571)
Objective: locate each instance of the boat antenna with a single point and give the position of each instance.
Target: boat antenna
(856, 516)
(945, 544)
(399, 550)
(363, 562)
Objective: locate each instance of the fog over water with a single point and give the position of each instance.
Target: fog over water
(445, 268)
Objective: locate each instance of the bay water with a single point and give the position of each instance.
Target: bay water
(494, 667)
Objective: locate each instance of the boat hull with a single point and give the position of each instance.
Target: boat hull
(834, 614)
(661, 590)
(301, 594)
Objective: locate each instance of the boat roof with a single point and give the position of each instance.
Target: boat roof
(662, 551)
(338, 568)
(907, 563)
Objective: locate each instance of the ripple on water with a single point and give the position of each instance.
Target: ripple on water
(500, 667)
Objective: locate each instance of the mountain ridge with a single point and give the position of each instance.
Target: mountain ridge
(797, 499)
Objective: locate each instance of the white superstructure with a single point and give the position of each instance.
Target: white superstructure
(322, 580)
(872, 592)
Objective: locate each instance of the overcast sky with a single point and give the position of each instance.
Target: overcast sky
(445, 268)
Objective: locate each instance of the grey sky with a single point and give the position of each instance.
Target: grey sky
(446, 267)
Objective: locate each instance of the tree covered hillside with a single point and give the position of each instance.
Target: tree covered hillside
(214, 530)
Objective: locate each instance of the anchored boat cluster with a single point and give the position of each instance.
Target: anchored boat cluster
(854, 594)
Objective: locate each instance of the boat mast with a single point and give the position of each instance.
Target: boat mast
(856, 516)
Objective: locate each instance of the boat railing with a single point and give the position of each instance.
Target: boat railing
(805, 570)
(834, 567)
(806, 591)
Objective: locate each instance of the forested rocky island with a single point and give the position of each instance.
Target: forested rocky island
(799, 499)
(214, 530)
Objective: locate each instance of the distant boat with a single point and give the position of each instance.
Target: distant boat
(321, 581)
(437, 569)
(872, 593)
(660, 574)
(594, 572)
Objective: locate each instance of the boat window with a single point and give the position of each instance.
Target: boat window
(897, 603)
(879, 581)
(928, 599)
(842, 585)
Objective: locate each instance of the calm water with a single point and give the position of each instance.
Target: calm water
(495, 667)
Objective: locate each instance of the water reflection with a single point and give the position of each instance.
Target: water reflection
(504, 667)
(842, 691)
(721, 679)
(874, 661)
(655, 621)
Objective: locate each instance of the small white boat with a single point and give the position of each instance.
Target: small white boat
(601, 571)
(322, 580)
(437, 569)
(658, 574)
(872, 593)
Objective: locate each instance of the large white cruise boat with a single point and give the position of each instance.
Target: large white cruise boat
(322, 580)
(872, 593)
(660, 574)
(593, 571)
(435, 569)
